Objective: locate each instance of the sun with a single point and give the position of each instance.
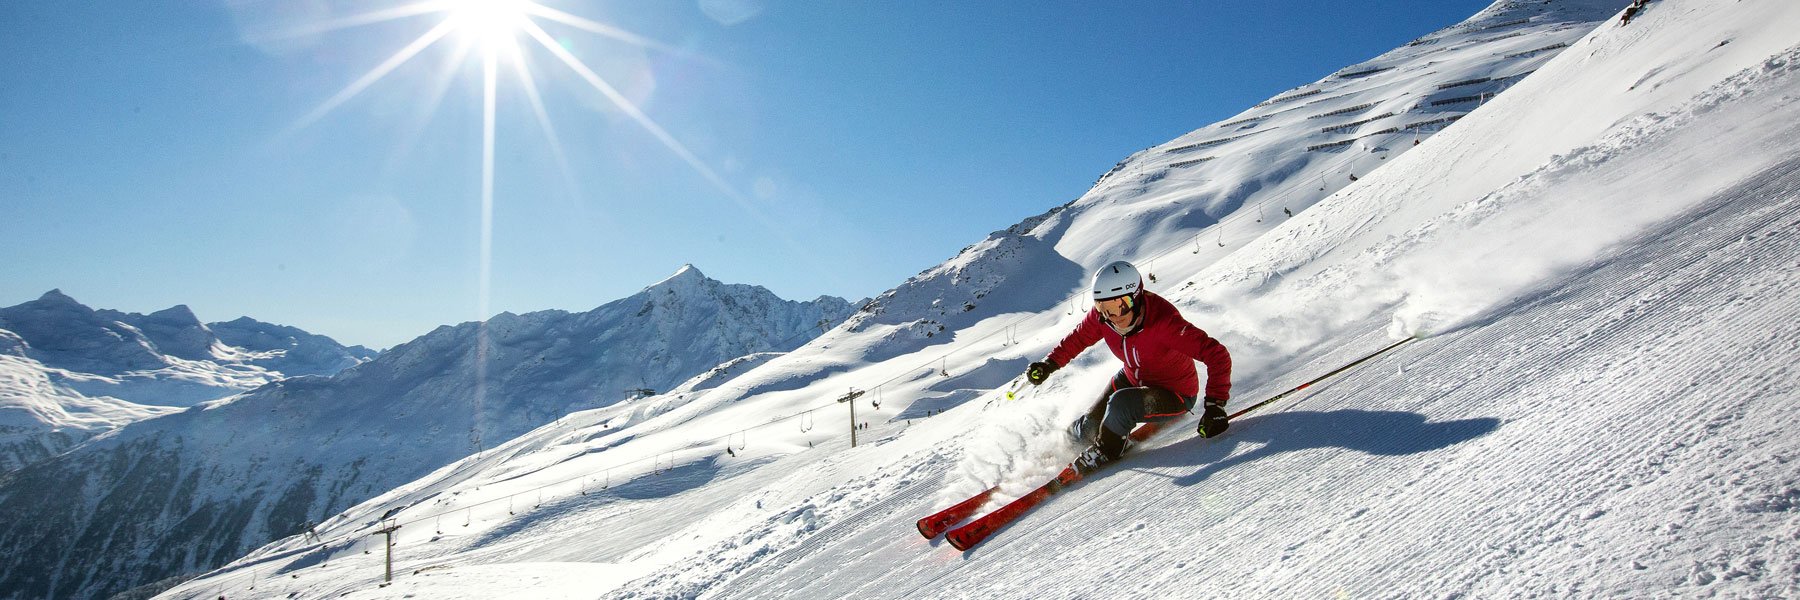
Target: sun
(505, 35)
(490, 24)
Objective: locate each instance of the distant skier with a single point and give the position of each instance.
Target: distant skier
(1632, 11)
(1158, 382)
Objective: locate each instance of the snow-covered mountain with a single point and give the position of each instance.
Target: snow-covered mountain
(190, 490)
(169, 357)
(1596, 243)
(69, 372)
(41, 416)
(289, 350)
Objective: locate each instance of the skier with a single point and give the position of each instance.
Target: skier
(1632, 11)
(1158, 382)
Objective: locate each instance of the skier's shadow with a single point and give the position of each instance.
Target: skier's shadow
(1381, 433)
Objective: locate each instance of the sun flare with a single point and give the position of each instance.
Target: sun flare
(504, 36)
(491, 24)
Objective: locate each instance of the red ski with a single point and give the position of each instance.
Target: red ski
(933, 525)
(968, 535)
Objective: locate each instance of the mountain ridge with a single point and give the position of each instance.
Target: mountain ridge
(273, 460)
(72, 372)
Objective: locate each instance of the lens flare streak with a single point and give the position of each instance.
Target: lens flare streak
(631, 110)
(590, 26)
(393, 62)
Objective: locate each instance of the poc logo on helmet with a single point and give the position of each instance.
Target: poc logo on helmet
(1119, 278)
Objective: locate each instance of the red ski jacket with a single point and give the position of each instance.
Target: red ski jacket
(1160, 352)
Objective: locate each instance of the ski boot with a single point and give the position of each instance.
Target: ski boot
(1109, 447)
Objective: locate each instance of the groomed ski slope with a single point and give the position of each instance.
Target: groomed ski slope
(1602, 266)
(1624, 433)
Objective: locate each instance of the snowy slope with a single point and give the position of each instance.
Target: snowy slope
(40, 416)
(191, 490)
(1600, 262)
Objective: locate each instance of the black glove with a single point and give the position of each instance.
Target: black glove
(1213, 421)
(1039, 371)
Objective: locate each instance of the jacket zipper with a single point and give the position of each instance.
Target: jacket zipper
(1132, 361)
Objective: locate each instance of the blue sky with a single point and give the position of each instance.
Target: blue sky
(162, 153)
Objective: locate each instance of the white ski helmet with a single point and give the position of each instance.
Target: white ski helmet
(1116, 279)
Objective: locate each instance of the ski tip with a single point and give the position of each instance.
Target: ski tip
(923, 531)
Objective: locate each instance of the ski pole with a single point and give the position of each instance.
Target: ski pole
(1320, 378)
(1012, 391)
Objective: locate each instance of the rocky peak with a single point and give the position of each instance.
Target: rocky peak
(61, 332)
(176, 332)
(56, 297)
(687, 278)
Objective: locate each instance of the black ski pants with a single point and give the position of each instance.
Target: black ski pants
(1121, 407)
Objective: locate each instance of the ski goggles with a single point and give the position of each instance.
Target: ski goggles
(1115, 307)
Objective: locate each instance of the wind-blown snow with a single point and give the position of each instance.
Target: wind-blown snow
(1600, 263)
